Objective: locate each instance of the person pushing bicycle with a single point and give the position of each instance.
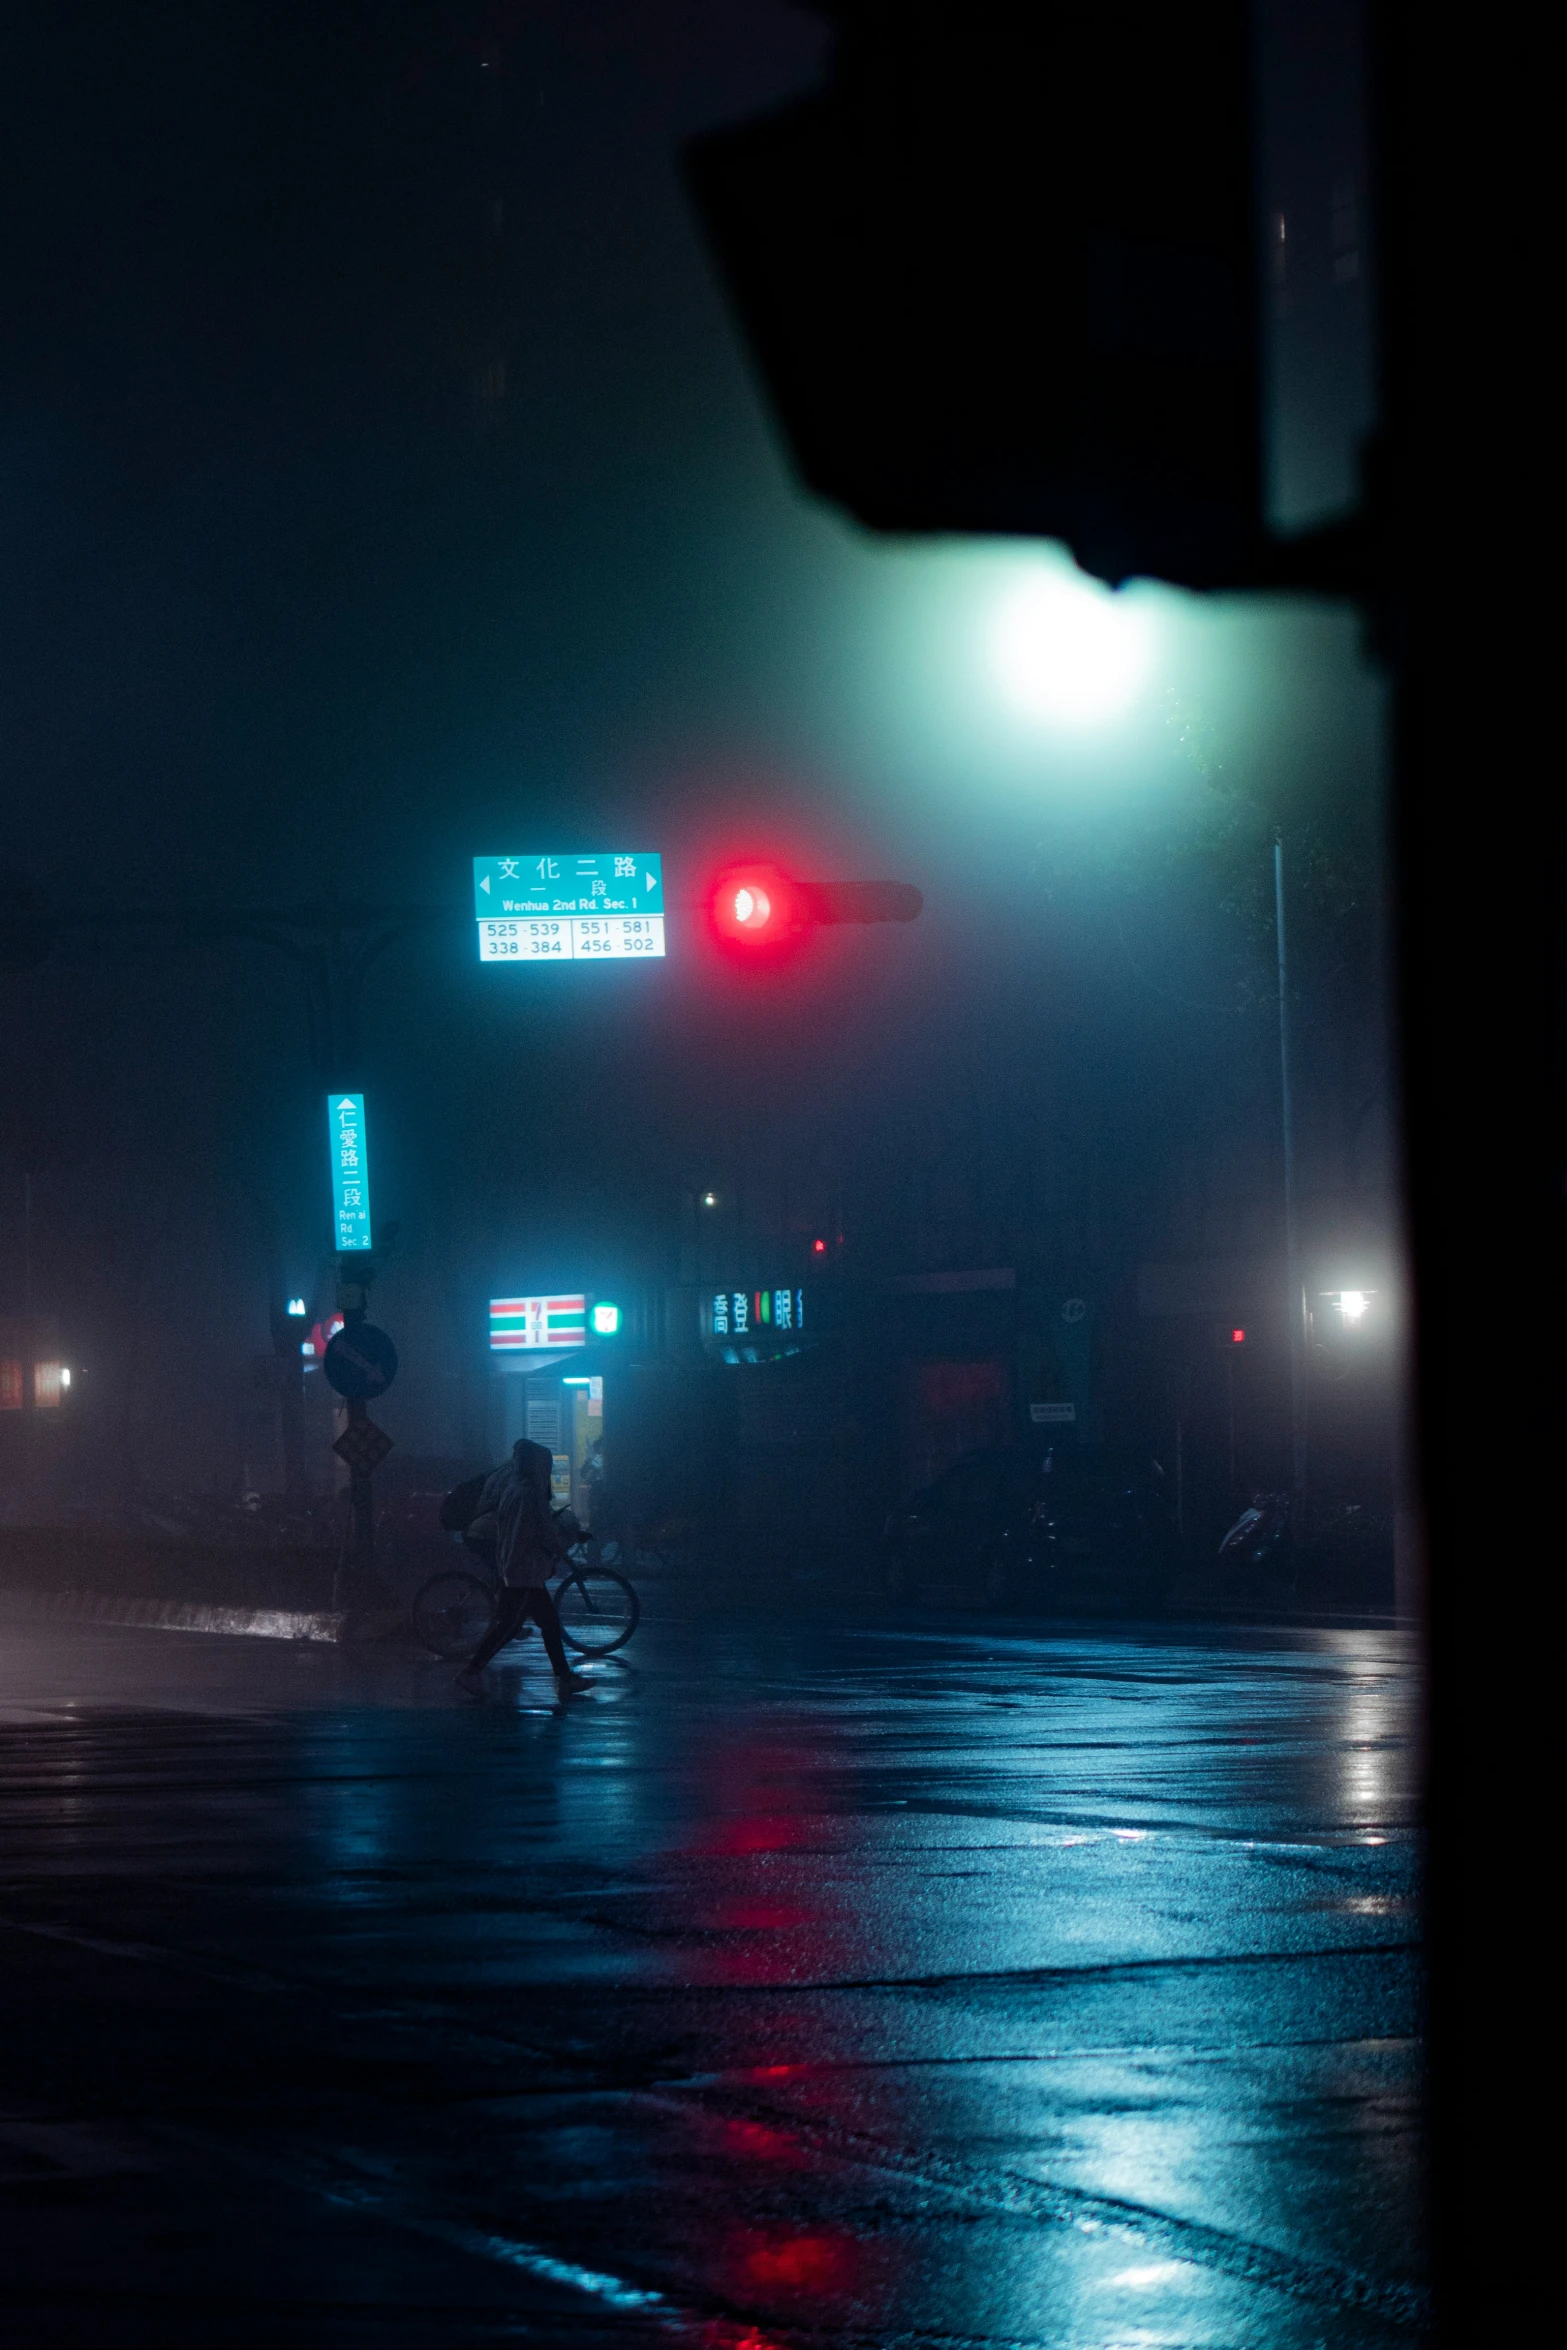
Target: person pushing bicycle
(514, 1512)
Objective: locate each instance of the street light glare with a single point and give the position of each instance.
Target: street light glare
(1069, 651)
(1352, 1304)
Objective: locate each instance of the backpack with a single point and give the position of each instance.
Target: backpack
(461, 1505)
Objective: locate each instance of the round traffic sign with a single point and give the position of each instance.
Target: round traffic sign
(360, 1361)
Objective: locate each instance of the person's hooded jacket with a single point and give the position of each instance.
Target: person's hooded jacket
(528, 1543)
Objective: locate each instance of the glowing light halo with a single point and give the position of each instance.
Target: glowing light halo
(754, 906)
(1068, 651)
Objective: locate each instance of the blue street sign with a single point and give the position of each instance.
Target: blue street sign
(604, 907)
(360, 1360)
(345, 1120)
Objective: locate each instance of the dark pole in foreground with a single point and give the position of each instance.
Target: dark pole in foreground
(352, 1284)
(360, 1361)
(1294, 1281)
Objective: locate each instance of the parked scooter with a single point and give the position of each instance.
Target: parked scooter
(1261, 1539)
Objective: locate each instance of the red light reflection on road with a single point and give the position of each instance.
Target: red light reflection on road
(767, 1895)
(733, 1838)
(761, 1916)
(793, 2265)
(761, 2144)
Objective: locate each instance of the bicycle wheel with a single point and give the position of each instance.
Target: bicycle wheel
(452, 1612)
(598, 1610)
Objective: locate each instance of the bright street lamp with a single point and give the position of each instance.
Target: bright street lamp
(1068, 650)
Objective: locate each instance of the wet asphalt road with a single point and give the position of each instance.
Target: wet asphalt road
(880, 1987)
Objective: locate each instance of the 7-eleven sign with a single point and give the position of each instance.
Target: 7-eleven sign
(526, 1325)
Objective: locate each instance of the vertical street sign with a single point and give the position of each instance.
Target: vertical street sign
(345, 1118)
(605, 908)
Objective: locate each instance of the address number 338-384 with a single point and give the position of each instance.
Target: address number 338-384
(572, 938)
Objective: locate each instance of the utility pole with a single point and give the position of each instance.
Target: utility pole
(360, 1360)
(1295, 1286)
(30, 1360)
(353, 1283)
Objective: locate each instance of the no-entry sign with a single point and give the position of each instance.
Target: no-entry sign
(361, 1361)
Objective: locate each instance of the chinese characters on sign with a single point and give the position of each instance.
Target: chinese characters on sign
(526, 1324)
(345, 1118)
(743, 1313)
(569, 909)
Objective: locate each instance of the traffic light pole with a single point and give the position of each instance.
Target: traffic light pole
(365, 1588)
(1295, 1287)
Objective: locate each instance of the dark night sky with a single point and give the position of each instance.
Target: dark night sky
(288, 601)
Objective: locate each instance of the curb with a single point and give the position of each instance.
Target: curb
(173, 1615)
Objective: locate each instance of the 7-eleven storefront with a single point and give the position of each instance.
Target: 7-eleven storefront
(543, 1389)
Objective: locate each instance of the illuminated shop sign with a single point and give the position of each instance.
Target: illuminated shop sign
(528, 1325)
(754, 1313)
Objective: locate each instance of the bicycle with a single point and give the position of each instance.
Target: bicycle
(599, 1609)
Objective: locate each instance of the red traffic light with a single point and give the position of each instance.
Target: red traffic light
(760, 905)
(755, 905)
(1237, 1338)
